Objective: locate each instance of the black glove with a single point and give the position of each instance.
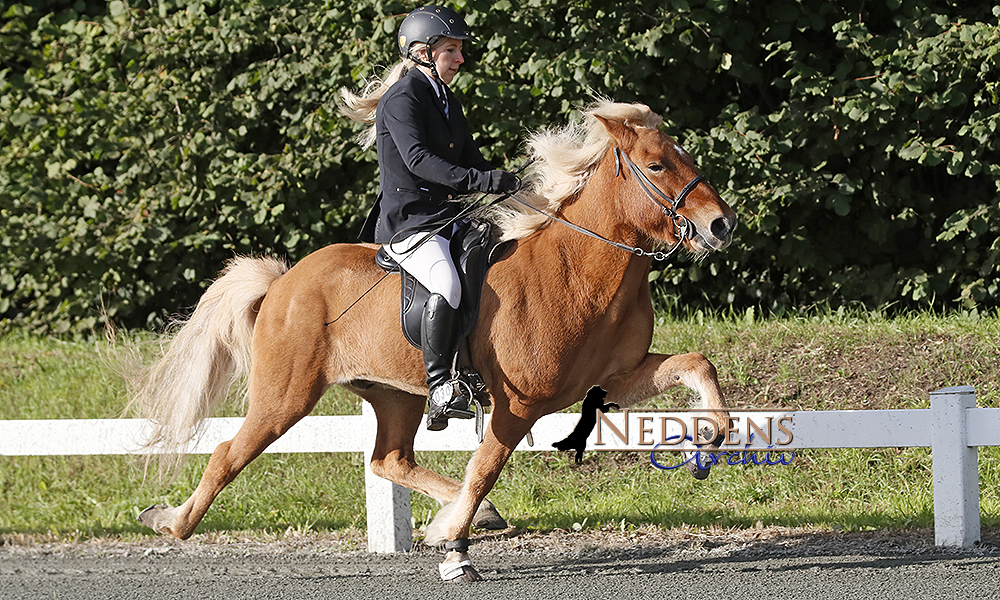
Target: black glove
(502, 182)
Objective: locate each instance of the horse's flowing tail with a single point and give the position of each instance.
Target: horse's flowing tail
(208, 354)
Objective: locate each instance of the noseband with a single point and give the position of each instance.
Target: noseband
(682, 226)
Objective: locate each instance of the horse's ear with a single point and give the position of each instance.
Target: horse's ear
(620, 132)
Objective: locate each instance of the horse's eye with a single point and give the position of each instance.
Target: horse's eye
(655, 167)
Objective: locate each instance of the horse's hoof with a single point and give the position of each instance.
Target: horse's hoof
(156, 518)
(701, 463)
(148, 516)
(487, 517)
(459, 572)
(469, 575)
(698, 473)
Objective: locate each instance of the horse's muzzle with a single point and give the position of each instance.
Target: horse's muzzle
(720, 233)
(722, 228)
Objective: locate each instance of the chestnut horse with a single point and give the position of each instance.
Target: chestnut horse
(564, 310)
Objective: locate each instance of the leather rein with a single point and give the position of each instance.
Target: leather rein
(668, 205)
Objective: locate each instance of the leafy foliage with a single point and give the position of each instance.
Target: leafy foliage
(143, 143)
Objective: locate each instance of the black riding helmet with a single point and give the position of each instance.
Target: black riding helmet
(428, 24)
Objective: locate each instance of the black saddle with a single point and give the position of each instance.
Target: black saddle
(474, 249)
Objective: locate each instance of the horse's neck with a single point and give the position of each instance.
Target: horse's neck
(595, 271)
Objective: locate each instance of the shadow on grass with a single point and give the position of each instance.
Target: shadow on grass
(728, 519)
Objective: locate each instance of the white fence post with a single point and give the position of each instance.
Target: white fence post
(955, 467)
(388, 504)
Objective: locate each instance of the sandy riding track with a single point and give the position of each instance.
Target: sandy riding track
(757, 563)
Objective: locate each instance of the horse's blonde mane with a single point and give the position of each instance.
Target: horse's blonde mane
(565, 158)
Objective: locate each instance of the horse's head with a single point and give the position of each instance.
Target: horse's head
(664, 194)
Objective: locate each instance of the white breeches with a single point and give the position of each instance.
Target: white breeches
(430, 264)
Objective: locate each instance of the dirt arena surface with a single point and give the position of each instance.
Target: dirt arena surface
(769, 562)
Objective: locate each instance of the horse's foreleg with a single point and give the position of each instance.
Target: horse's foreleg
(399, 416)
(656, 374)
(659, 372)
(451, 525)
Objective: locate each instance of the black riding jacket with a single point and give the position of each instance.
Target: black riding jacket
(425, 159)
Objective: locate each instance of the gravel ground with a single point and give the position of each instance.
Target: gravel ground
(646, 563)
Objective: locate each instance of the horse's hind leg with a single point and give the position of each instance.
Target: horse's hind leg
(399, 417)
(279, 397)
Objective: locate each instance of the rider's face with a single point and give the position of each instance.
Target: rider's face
(447, 58)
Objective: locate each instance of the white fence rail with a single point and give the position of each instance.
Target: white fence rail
(952, 427)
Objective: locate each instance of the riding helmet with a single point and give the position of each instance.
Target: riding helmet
(427, 24)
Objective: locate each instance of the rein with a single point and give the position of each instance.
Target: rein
(474, 206)
(681, 223)
(667, 204)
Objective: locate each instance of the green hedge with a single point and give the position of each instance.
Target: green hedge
(144, 143)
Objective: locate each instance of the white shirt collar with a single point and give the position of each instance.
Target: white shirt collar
(434, 84)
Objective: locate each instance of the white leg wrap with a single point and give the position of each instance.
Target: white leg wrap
(452, 570)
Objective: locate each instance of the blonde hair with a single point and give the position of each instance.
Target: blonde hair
(361, 106)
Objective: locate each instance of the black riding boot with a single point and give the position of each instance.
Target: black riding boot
(439, 335)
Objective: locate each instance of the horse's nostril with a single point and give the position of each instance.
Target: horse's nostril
(722, 227)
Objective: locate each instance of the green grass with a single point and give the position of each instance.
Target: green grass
(831, 361)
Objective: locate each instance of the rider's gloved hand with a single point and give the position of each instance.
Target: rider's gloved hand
(502, 182)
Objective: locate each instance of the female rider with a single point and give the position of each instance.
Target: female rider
(426, 157)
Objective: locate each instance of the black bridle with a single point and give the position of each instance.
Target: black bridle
(682, 226)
